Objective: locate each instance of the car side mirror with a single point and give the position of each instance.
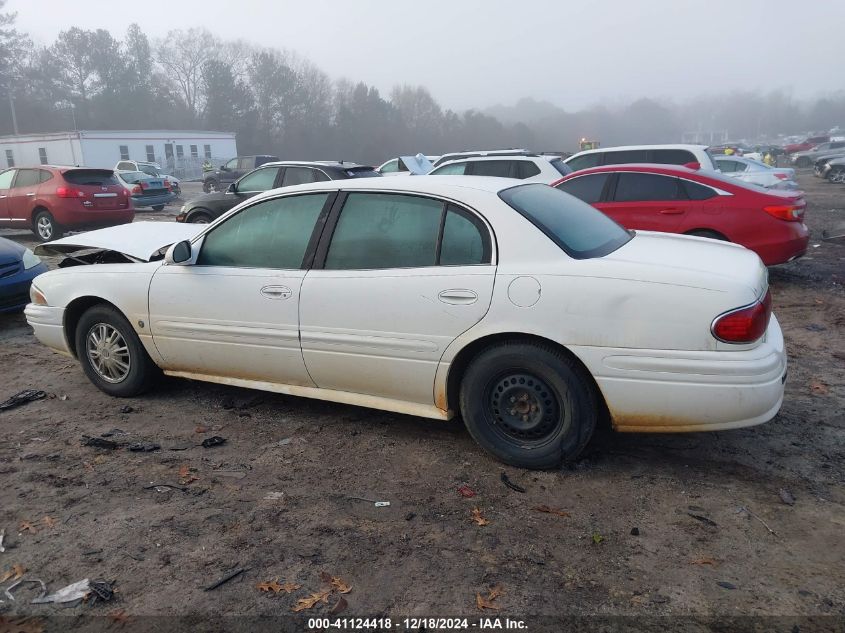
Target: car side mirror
(233, 188)
(179, 253)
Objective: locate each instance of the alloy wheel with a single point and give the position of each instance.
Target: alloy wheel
(108, 353)
(44, 227)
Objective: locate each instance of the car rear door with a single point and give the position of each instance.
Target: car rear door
(388, 294)
(21, 197)
(7, 177)
(646, 201)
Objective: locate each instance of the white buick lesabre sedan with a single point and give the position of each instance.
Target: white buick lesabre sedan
(521, 308)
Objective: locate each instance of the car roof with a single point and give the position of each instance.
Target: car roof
(314, 163)
(499, 157)
(655, 168)
(621, 148)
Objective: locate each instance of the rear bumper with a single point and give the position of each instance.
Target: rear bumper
(788, 242)
(666, 391)
(47, 323)
(151, 201)
(14, 290)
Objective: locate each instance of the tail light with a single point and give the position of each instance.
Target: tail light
(781, 176)
(167, 185)
(137, 189)
(790, 212)
(744, 325)
(69, 192)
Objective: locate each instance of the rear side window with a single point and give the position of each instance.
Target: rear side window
(696, 191)
(633, 187)
(672, 156)
(93, 177)
(385, 231)
(585, 161)
(580, 230)
(466, 240)
(623, 157)
(586, 188)
(497, 168)
(27, 178)
(391, 166)
(298, 176)
(44, 175)
(455, 169)
(526, 169)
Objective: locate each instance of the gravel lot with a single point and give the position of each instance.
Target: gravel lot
(657, 525)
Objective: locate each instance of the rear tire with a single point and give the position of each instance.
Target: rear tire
(111, 354)
(836, 175)
(529, 405)
(713, 235)
(45, 227)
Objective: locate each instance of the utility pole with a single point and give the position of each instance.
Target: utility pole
(14, 117)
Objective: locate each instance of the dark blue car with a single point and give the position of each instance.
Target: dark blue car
(18, 267)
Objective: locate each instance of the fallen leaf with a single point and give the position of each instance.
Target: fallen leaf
(495, 592)
(466, 492)
(311, 601)
(26, 526)
(340, 606)
(201, 429)
(476, 516)
(819, 388)
(549, 510)
(185, 476)
(289, 587)
(597, 538)
(484, 603)
(15, 573)
(340, 585)
(49, 521)
(704, 560)
(273, 586)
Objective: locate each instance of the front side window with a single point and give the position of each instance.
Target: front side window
(587, 188)
(42, 155)
(298, 176)
(6, 179)
(584, 161)
(246, 163)
(633, 187)
(258, 180)
(455, 169)
(385, 231)
(270, 234)
(578, 229)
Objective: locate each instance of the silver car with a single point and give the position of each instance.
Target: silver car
(834, 170)
(755, 172)
(807, 158)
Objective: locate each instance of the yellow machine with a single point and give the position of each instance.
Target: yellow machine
(585, 144)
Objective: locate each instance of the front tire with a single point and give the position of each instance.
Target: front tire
(529, 405)
(45, 227)
(111, 354)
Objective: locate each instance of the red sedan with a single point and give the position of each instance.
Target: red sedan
(675, 199)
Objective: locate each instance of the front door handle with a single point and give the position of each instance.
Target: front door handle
(458, 296)
(276, 292)
(32, 193)
(671, 211)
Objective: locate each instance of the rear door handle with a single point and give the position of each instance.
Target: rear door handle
(276, 292)
(458, 296)
(671, 211)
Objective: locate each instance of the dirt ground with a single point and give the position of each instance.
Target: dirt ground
(657, 525)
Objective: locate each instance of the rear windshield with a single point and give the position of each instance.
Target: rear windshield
(580, 230)
(93, 177)
(361, 172)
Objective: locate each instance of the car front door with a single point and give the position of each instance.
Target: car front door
(388, 294)
(649, 202)
(6, 179)
(233, 311)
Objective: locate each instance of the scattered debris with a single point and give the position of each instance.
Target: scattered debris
(597, 538)
(49, 521)
(476, 516)
(335, 582)
(233, 574)
(98, 442)
(340, 607)
(15, 573)
(101, 590)
(819, 388)
(33, 581)
(26, 526)
(815, 327)
(489, 601)
(750, 513)
(408, 517)
(185, 476)
(547, 510)
(785, 496)
(703, 519)
(126, 409)
(704, 560)
(22, 397)
(311, 601)
(466, 492)
(510, 484)
(201, 428)
(284, 442)
(274, 496)
(2, 536)
(214, 440)
(378, 504)
(635, 531)
(165, 487)
(71, 593)
(113, 432)
(144, 447)
(726, 585)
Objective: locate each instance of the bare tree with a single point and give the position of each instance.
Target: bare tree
(183, 56)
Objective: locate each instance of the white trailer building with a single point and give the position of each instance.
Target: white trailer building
(179, 152)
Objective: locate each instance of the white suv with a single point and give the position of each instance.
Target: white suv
(529, 167)
(661, 154)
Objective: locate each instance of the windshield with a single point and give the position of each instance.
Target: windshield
(580, 230)
(149, 170)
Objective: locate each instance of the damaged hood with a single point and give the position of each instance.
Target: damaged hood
(139, 240)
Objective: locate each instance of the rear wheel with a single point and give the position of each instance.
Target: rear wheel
(713, 235)
(111, 354)
(529, 405)
(45, 227)
(199, 217)
(836, 175)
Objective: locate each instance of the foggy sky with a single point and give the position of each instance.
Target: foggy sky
(477, 53)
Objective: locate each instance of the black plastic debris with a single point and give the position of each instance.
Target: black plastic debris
(144, 447)
(510, 484)
(98, 442)
(22, 397)
(214, 440)
(126, 409)
(101, 590)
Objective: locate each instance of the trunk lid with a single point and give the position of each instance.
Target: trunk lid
(95, 188)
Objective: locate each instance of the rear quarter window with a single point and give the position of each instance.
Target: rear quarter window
(587, 188)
